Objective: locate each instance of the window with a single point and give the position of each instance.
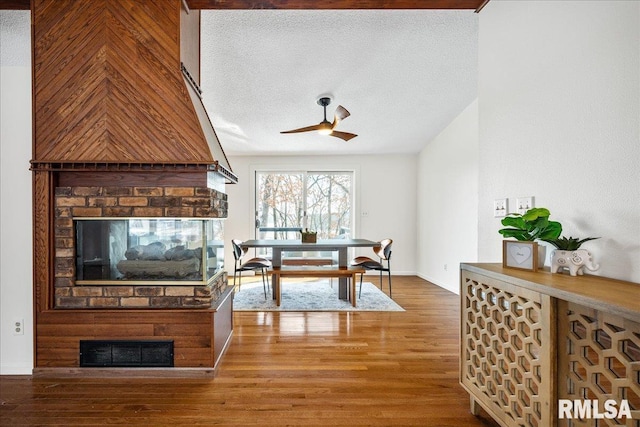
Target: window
(287, 202)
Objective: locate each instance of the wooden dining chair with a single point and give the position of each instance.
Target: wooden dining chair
(383, 251)
(253, 264)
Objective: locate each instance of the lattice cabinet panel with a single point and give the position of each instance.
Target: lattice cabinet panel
(507, 352)
(599, 359)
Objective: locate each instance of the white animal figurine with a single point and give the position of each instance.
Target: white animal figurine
(575, 261)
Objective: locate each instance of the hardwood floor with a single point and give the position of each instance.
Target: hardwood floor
(313, 368)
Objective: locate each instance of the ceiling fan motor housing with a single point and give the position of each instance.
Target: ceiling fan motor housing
(324, 101)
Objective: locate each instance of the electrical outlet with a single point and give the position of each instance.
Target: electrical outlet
(18, 326)
(446, 267)
(524, 204)
(365, 214)
(500, 207)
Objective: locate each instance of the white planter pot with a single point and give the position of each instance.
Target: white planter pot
(542, 256)
(574, 261)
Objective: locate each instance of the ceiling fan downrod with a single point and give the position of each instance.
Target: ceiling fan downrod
(324, 102)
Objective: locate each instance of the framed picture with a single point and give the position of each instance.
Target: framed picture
(522, 255)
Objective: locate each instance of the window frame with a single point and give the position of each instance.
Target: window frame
(304, 174)
(354, 170)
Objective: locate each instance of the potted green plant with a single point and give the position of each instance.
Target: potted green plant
(568, 255)
(531, 226)
(568, 243)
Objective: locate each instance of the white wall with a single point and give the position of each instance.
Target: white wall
(16, 351)
(385, 189)
(559, 102)
(448, 201)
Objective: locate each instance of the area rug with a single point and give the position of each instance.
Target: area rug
(316, 295)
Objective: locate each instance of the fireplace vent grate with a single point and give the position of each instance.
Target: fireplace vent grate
(121, 353)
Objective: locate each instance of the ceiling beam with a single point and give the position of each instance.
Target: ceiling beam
(305, 4)
(337, 4)
(15, 4)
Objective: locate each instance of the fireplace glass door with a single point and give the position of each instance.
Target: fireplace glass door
(168, 251)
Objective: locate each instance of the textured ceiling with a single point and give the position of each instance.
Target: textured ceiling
(403, 75)
(15, 38)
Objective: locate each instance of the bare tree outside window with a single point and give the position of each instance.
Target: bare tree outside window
(289, 201)
(329, 204)
(280, 204)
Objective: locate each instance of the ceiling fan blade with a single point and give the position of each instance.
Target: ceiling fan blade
(341, 113)
(343, 135)
(304, 129)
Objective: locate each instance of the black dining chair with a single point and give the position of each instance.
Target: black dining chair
(253, 264)
(383, 250)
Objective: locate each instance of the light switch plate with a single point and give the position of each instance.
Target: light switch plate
(500, 208)
(523, 204)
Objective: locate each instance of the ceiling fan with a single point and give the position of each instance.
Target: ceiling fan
(326, 127)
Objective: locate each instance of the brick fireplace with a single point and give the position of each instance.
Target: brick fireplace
(130, 202)
(120, 132)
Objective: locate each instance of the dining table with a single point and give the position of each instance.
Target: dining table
(340, 246)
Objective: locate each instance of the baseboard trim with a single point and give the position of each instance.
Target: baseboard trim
(438, 283)
(16, 370)
(393, 273)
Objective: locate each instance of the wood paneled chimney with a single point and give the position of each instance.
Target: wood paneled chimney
(120, 132)
(112, 84)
